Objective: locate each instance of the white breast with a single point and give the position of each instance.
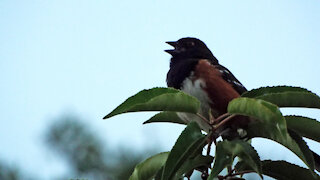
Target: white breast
(195, 88)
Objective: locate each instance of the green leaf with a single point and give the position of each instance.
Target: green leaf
(270, 131)
(269, 124)
(273, 89)
(165, 116)
(190, 142)
(281, 170)
(262, 110)
(304, 126)
(193, 163)
(159, 174)
(307, 153)
(286, 96)
(226, 151)
(158, 99)
(147, 169)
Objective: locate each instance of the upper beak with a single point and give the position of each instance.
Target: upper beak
(172, 43)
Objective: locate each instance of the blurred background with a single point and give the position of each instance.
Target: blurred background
(66, 64)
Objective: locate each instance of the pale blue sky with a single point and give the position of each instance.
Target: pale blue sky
(86, 57)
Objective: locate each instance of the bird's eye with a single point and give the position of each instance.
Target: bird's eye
(190, 44)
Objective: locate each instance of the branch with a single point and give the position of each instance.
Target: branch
(223, 122)
(203, 118)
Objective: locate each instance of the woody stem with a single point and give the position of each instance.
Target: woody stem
(222, 117)
(223, 122)
(203, 118)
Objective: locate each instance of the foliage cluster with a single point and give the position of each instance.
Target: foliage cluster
(238, 156)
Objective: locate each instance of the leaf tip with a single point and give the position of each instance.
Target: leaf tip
(146, 122)
(107, 116)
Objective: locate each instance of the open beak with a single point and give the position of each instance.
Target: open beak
(171, 51)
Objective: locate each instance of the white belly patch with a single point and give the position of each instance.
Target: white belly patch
(195, 88)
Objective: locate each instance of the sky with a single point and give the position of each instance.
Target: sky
(86, 57)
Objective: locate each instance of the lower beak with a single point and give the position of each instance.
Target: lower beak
(171, 51)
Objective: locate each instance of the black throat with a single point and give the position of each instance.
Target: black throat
(180, 69)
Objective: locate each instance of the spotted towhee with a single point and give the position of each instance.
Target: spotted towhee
(195, 70)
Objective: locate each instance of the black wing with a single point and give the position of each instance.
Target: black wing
(229, 77)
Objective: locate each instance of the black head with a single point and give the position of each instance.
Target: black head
(188, 47)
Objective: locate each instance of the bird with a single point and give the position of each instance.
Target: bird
(196, 71)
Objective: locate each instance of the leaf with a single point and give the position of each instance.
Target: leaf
(192, 163)
(165, 116)
(316, 161)
(304, 126)
(158, 99)
(159, 174)
(147, 169)
(270, 131)
(226, 151)
(286, 96)
(273, 89)
(190, 142)
(303, 147)
(269, 124)
(262, 110)
(280, 170)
